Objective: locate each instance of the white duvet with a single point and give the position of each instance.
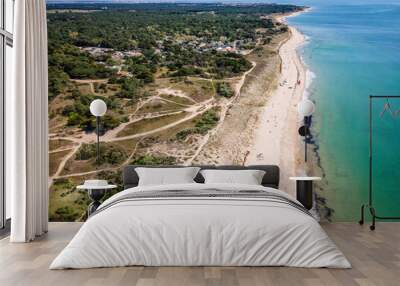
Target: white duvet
(200, 231)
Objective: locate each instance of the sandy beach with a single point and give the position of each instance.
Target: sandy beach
(276, 139)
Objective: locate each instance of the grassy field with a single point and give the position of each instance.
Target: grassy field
(59, 144)
(170, 134)
(178, 99)
(111, 155)
(196, 88)
(128, 145)
(78, 166)
(149, 124)
(159, 106)
(55, 160)
(66, 203)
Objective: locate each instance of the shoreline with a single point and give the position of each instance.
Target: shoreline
(276, 139)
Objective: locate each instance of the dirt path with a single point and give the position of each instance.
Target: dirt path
(63, 162)
(90, 138)
(111, 136)
(165, 127)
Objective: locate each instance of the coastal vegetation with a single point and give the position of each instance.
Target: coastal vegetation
(109, 154)
(206, 122)
(78, 113)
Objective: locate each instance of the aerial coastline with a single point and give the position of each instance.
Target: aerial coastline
(182, 93)
(188, 89)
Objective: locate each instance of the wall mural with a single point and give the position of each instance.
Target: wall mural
(183, 85)
(219, 84)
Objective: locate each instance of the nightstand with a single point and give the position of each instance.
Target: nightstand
(304, 190)
(96, 193)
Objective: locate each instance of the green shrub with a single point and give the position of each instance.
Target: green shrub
(66, 213)
(130, 87)
(223, 89)
(149, 159)
(78, 113)
(109, 154)
(109, 122)
(183, 134)
(208, 121)
(63, 184)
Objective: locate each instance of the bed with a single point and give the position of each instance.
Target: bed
(201, 224)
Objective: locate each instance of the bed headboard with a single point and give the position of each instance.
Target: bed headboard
(271, 177)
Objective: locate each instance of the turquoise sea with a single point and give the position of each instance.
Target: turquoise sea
(354, 51)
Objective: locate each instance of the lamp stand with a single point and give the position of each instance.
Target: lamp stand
(98, 141)
(305, 138)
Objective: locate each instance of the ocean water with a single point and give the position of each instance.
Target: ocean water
(354, 51)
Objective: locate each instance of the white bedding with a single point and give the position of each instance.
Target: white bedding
(200, 231)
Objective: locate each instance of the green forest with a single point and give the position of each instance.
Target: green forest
(182, 38)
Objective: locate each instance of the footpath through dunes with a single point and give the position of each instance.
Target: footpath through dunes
(126, 132)
(229, 143)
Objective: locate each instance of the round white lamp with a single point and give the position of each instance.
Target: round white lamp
(98, 108)
(306, 108)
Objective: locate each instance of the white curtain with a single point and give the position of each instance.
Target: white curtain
(27, 124)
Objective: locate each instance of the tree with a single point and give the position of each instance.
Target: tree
(57, 81)
(74, 119)
(224, 90)
(129, 88)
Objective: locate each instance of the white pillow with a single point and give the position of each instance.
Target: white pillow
(166, 176)
(248, 177)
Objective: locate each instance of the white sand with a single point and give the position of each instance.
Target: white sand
(276, 138)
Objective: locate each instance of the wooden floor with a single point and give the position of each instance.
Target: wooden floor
(375, 257)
